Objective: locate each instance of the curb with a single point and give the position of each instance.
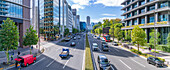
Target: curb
(7, 67)
(140, 55)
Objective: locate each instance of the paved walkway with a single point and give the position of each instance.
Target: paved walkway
(161, 54)
(24, 51)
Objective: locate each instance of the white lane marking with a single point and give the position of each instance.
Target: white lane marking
(39, 61)
(116, 50)
(65, 64)
(84, 55)
(138, 62)
(125, 64)
(50, 64)
(112, 68)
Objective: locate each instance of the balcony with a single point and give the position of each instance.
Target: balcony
(148, 25)
(142, 6)
(148, 13)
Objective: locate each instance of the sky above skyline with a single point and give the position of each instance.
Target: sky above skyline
(97, 9)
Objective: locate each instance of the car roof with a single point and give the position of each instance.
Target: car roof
(25, 56)
(102, 56)
(94, 43)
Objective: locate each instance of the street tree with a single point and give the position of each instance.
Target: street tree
(128, 35)
(138, 36)
(118, 34)
(30, 38)
(152, 40)
(9, 36)
(100, 30)
(111, 31)
(66, 32)
(118, 25)
(168, 40)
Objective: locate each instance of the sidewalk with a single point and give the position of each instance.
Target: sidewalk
(161, 54)
(23, 51)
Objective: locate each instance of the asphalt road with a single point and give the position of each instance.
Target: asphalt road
(121, 59)
(50, 59)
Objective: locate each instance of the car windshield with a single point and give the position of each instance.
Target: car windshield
(106, 46)
(104, 61)
(156, 59)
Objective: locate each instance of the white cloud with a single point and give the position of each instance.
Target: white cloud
(81, 2)
(101, 19)
(77, 6)
(113, 15)
(109, 2)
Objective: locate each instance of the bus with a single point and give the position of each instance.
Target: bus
(107, 38)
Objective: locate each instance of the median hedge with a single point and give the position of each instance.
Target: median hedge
(145, 54)
(88, 60)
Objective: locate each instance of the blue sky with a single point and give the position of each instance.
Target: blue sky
(97, 9)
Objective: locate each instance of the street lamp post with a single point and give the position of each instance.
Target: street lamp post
(155, 33)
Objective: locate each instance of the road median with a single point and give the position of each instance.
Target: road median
(88, 58)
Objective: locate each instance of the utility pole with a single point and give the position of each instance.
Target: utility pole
(39, 25)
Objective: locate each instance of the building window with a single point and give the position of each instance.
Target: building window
(128, 8)
(129, 23)
(150, 0)
(128, 15)
(134, 22)
(142, 21)
(142, 10)
(134, 5)
(163, 4)
(151, 19)
(151, 8)
(128, 2)
(163, 17)
(142, 2)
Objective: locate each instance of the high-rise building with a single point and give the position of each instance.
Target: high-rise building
(148, 14)
(88, 21)
(69, 22)
(19, 12)
(50, 16)
(74, 18)
(83, 26)
(78, 22)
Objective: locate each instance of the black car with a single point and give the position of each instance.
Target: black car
(105, 47)
(104, 64)
(115, 43)
(155, 61)
(103, 43)
(67, 39)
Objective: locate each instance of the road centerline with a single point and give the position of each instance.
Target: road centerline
(125, 64)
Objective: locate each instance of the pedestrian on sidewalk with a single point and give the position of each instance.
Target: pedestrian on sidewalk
(11, 57)
(150, 49)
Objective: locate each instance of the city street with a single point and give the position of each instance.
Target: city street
(50, 59)
(121, 59)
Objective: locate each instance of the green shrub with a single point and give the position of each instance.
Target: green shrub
(161, 59)
(143, 47)
(136, 51)
(154, 51)
(164, 48)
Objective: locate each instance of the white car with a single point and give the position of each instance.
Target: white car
(74, 38)
(95, 46)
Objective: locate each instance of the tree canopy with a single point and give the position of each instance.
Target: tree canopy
(138, 36)
(9, 36)
(66, 31)
(30, 38)
(118, 34)
(152, 40)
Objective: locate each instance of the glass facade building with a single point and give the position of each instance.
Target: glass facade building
(19, 12)
(50, 16)
(150, 14)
